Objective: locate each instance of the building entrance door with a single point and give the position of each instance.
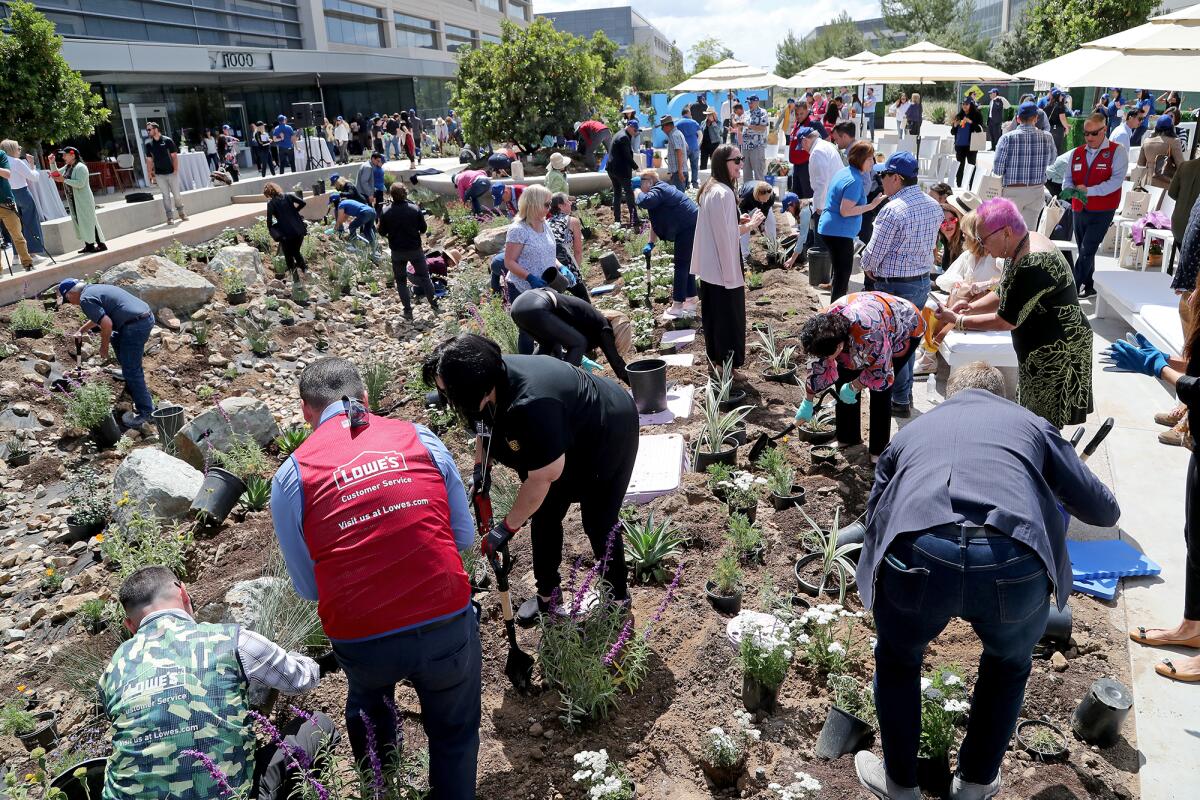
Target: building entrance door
(133, 122)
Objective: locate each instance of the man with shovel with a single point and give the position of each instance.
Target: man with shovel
(125, 322)
(370, 514)
(572, 437)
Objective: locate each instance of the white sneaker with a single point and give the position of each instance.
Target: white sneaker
(963, 790)
(873, 776)
(675, 311)
(926, 364)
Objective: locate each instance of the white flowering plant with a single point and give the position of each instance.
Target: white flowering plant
(722, 749)
(764, 653)
(943, 706)
(743, 489)
(601, 777)
(802, 787)
(828, 637)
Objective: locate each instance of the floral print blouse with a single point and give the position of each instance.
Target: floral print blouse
(881, 327)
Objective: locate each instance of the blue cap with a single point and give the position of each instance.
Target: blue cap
(1105, 96)
(791, 99)
(1027, 110)
(1165, 123)
(66, 285)
(804, 131)
(334, 198)
(281, 118)
(633, 123)
(752, 98)
(497, 193)
(636, 182)
(334, 178)
(967, 98)
(1041, 103)
(901, 163)
(340, 119)
(1056, 92)
(993, 90)
(789, 198)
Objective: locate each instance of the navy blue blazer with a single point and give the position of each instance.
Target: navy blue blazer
(981, 459)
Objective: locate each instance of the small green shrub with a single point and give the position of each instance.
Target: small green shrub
(29, 316)
(257, 495)
(727, 573)
(14, 719)
(243, 457)
(142, 542)
(377, 376)
(743, 535)
(89, 404)
(91, 616)
(258, 236)
(233, 281)
(90, 496)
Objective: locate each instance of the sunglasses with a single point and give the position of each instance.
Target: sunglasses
(737, 160)
(1098, 132)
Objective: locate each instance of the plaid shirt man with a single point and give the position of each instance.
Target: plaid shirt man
(906, 231)
(1023, 155)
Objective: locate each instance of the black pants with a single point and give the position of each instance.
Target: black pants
(213, 163)
(1191, 533)
(287, 158)
(849, 415)
(723, 315)
(706, 151)
(1060, 139)
(994, 133)
(965, 155)
(599, 488)
(841, 253)
(274, 776)
(801, 184)
(264, 159)
(379, 202)
(536, 314)
(291, 252)
(623, 186)
(400, 261)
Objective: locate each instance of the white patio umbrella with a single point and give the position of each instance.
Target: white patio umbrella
(730, 74)
(864, 56)
(924, 62)
(824, 73)
(1163, 53)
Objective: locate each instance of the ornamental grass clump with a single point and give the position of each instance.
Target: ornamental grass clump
(591, 656)
(836, 561)
(602, 778)
(943, 706)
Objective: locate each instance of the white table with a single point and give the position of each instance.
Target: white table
(320, 151)
(194, 171)
(46, 197)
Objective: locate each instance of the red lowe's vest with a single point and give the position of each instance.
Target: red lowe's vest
(1101, 170)
(377, 525)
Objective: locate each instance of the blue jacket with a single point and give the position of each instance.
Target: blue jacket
(691, 133)
(672, 213)
(981, 459)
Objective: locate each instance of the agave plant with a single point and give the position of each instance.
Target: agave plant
(648, 545)
(291, 438)
(257, 494)
(835, 559)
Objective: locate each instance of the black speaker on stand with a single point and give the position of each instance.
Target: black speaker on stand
(305, 116)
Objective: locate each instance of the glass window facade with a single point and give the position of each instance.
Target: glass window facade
(516, 10)
(415, 32)
(494, 5)
(248, 23)
(489, 37)
(458, 38)
(353, 23)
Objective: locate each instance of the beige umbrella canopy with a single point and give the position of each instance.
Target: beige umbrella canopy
(823, 73)
(923, 62)
(1163, 53)
(730, 74)
(864, 56)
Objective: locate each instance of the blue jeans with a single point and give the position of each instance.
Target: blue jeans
(998, 585)
(443, 666)
(130, 345)
(478, 188)
(394, 145)
(694, 163)
(916, 292)
(684, 285)
(364, 222)
(870, 118)
(1090, 227)
(678, 184)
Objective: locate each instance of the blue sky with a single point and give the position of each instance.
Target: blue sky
(751, 29)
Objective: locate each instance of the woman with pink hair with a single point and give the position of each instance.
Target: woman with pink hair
(1036, 300)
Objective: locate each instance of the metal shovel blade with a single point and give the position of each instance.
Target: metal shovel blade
(519, 664)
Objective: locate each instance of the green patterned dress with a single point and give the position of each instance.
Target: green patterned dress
(1052, 338)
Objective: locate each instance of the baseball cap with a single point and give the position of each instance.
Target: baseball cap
(804, 131)
(901, 163)
(497, 193)
(1027, 110)
(1165, 123)
(993, 90)
(66, 285)
(281, 118)
(334, 178)
(752, 98)
(1056, 92)
(633, 123)
(791, 99)
(334, 198)
(789, 198)
(340, 119)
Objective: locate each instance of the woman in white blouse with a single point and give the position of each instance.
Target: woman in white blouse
(717, 261)
(24, 172)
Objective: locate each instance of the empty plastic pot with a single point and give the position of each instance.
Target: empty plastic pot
(1098, 718)
(820, 268)
(842, 733)
(167, 421)
(648, 379)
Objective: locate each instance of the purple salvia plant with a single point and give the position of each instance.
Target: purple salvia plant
(473, 310)
(213, 770)
(594, 572)
(666, 601)
(619, 644)
(295, 754)
(373, 757)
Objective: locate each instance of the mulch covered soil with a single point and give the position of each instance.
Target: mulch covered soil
(694, 682)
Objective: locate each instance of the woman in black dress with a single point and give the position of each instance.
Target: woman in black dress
(286, 226)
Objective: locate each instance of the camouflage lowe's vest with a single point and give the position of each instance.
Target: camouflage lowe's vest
(176, 685)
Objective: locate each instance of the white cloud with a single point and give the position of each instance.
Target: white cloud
(750, 29)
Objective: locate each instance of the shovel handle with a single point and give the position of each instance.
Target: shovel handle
(1077, 437)
(506, 606)
(1105, 428)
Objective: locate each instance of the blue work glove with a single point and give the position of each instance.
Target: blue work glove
(636, 181)
(847, 393)
(496, 538)
(590, 366)
(536, 282)
(1147, 360)
(805, 412)
(648, 248)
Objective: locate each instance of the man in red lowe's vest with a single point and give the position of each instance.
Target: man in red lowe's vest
(1097, 169)
(370, 514)
(593, 134)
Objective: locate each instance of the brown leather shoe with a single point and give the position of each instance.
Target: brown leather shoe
(1179, 436)
(1171, 418)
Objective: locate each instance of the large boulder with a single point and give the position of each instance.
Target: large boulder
(490, 241)
(242, 257)
(244, 415)
(158, 485)
(161, 283)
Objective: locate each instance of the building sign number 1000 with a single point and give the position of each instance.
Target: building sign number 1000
(220, 59)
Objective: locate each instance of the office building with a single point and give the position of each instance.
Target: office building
(196, 64)
(622, 24)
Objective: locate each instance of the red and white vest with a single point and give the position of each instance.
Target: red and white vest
(377, 526)
(1101, 170)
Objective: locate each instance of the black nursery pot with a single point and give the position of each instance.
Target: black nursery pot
(782, 502)
(933, 775)
(648, 380)
(32, 333)
(45, 735)
(217, 496)
(842, 733)
(724, 603)
(703, 460)
(750, 512)
(788, 376)
(1097, 719)
(107, 433)
(90, 787)
(1025, 731)
(167, 422)
(812, 589)
(236, 298)
(757, 697)
(1058, 626)
(81, 532)
(737, 397)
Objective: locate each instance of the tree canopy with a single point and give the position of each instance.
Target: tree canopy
(707, 52)
(535, 81)
(948, 23)
(840, 38)
(641, 70)
(44, 99)
(1061, 26)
